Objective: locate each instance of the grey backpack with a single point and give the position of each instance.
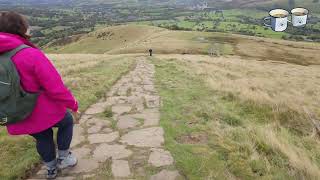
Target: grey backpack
(15, 103)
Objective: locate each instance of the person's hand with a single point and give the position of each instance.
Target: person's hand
(76, 117)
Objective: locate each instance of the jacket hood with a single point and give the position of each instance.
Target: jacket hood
(9, 42)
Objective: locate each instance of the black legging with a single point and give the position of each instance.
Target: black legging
(45, 143)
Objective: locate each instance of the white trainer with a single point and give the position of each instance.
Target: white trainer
(68, 161)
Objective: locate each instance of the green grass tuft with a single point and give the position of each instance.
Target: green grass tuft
(108, 112)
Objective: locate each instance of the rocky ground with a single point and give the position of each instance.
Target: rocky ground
(122, 131)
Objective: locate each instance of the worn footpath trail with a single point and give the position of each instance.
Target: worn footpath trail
(120, 136)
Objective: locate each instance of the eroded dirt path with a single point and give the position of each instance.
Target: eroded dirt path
(121, 134)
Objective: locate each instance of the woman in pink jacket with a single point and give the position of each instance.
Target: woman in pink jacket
(38, 75)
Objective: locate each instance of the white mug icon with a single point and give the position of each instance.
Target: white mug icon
(279, 20)
(299, 17)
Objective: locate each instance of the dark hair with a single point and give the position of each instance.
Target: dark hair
(14, 23)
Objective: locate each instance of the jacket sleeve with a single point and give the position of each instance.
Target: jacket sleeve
(51, 81)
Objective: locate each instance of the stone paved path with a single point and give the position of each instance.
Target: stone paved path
(123, 130)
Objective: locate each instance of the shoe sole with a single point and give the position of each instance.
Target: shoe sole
(68, 166)
(52, 178)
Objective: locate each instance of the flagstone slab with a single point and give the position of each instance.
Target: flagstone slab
(150, 137)
(82, 152)
(94, 129)
(78, 136)
(96, 121)
(166, 175)
(160, 157)
(121, 109)
(120, 168)
(83, 166)
(97, 108)
(106, 151)
(149, 88)
(125, 122)
(103, 138)
(107, 130)
(152, 101)
(85, 118)
(151, 117)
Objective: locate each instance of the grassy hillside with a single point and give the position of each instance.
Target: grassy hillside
(134, 39)
(128, 39)
(105, 40)
(234, 118)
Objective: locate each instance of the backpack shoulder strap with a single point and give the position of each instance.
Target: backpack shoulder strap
(16, 50)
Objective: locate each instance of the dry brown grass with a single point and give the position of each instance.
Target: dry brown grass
(297, 157)
(67, 63)
(263, 82)
(73, 63)
(107, 39)
(167, 42)
(284, 87)
(277, 50)
(127, 39)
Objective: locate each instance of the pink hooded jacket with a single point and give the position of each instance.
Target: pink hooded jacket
(38, 75)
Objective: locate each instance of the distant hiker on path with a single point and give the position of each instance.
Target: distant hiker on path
(42, 91)
(150, 51)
